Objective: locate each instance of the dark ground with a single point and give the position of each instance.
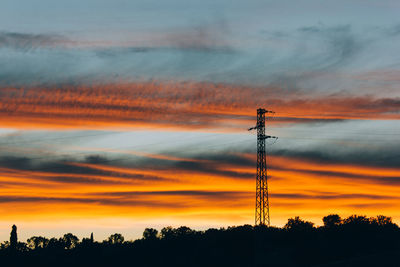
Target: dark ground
(355, 241)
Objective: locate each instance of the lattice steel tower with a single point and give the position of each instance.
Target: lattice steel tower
(262, 201)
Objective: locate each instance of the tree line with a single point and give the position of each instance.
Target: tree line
(298, 243)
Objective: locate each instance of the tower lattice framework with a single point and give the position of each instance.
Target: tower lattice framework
(262, 199)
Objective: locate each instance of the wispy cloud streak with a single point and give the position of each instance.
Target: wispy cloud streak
(182, 105)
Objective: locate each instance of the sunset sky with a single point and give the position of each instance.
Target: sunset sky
(118, 115)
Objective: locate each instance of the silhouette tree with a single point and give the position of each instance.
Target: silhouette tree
(298, 224)
(70, 241)
(357, 221)
(5, 245)
(36, 242)
(184, 231)
(13, 237)
(299, 243)
(115, 239)
(167, 232)
(332, 220)
(87, 242)
(21, 246)
(383, 221)
(150, 234)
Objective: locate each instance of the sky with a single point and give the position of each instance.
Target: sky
(120, 115)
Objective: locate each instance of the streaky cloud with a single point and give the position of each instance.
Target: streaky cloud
(187, 105)
(316, 58)
(29, 41)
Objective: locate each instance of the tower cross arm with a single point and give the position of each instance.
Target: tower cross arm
(262, 111)
(268, 136)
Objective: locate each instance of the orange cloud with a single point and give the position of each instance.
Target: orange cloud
(177, 105)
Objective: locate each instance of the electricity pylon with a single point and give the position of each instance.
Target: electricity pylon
(262, 201)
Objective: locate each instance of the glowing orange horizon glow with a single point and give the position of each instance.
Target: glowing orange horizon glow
(182, 195)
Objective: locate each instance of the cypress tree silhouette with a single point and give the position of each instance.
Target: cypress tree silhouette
(13, 238)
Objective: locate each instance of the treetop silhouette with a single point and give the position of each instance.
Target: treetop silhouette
(298, 243)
